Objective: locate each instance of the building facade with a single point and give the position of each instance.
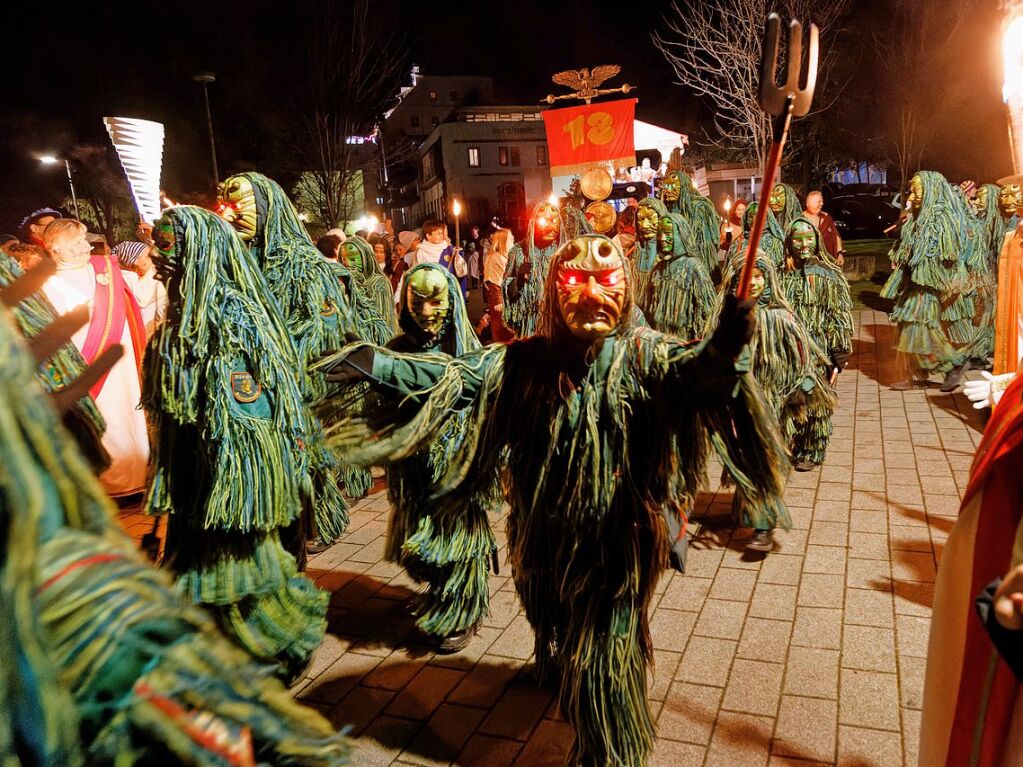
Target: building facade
(492, 159)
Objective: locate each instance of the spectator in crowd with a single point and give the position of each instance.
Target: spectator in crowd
(731, 228)
(34, 223)
(382, 253)
(114, 297)
(406, 246)
(136, 257)
(339, 233)
(99, 244)
(826, 224)
(472, 257)
(26, 254)
(330, 246)
(494, 266)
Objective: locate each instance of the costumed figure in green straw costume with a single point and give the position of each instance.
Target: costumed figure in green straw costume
(680, 296)
(996, 209)
(785, 205)
(680, 196)
(927, 276)
(449, 545)
(321, 305)
(787, 365)
(102, 662)
(649, 213)
(772, 242)
(528, 262)
(231, 460)
(594, 421)
(819, 294)
(357, 255)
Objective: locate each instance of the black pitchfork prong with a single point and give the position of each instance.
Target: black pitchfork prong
(783, 102)
(772, 96)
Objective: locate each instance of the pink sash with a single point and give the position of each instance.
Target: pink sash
(113, 304)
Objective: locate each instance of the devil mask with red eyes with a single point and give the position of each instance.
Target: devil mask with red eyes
(588, 289)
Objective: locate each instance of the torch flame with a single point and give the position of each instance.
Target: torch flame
(1012, 58)
(456, 208)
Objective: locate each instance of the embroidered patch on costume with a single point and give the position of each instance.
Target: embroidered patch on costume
(244, 387)
(102, 279)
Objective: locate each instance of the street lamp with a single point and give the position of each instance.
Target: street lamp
(49, 159)
(205, 78)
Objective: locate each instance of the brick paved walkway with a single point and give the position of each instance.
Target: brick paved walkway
(814, 655)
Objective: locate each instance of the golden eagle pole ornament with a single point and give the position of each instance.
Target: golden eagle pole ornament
(586, 83)
(784, 102)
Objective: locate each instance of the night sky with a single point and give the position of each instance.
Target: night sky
(69, 64)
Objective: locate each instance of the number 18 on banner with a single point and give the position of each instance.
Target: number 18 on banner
(579, 138)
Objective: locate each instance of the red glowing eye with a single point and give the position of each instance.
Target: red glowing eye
(573, 280)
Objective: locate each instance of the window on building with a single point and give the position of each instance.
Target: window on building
(435, 121)
(541, 155)
(415, 121)
(454, 95)
(502, 155)
(515, 156)
(474, 157)
(433, 95)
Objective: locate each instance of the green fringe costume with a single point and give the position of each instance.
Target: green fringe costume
(103, 663)
(447, 545)
(819, 294)
(679, 296)
(593, 443)
(645, 257)
(522, 308)
(928, 277)
(703, 220)
(322, 305)
(231, 464)
(374, 284)
(32, 315)
(772, 242)
(987, 235)
(784, 360)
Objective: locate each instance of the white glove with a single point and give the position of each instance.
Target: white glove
(987, 391)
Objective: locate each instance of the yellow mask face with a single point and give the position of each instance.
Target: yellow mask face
(671, 188)
(981, 200)
(236, 203)
(666, 237)
(546, 225)
(428, 300)
(777, 199)
(592, 288)
(646, 223)
(1010, 200)
(916, 194)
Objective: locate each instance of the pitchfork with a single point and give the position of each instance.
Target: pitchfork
(783, 102)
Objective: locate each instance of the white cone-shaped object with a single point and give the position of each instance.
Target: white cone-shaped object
(139, 145)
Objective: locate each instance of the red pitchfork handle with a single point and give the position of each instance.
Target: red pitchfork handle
(783, 102)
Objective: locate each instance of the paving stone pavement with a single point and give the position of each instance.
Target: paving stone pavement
(813, 655)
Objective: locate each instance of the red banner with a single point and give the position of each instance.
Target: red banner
(580, 138)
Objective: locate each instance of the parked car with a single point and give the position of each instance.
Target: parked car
(860, 216)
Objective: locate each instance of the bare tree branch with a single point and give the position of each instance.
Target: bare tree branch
(354, 68)
(714, 48)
